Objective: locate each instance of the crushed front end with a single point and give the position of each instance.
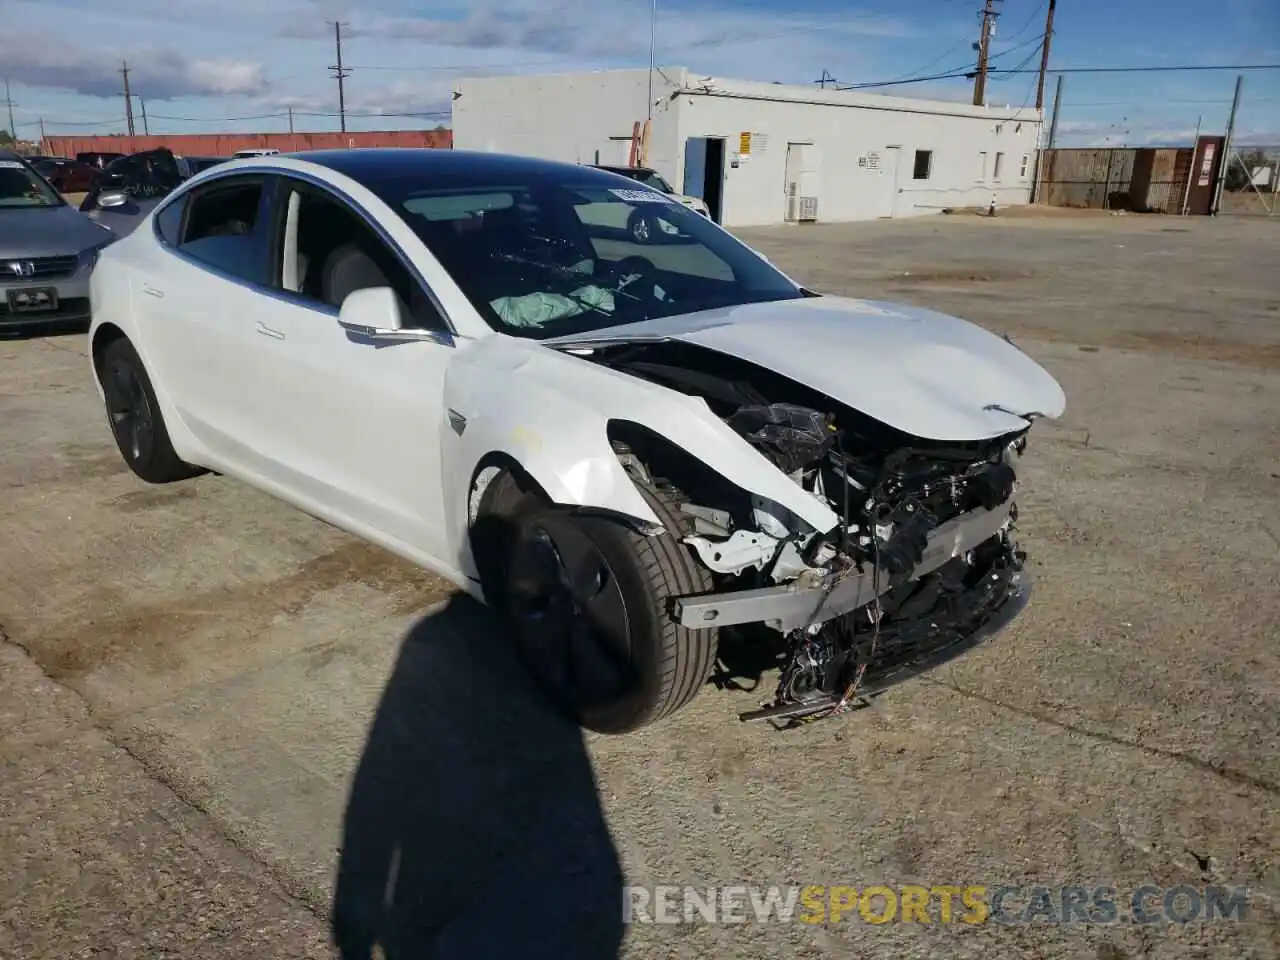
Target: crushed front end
(923, 563)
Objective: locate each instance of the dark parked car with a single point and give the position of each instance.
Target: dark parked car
(67, 176)
(130, 187)
(99, 160)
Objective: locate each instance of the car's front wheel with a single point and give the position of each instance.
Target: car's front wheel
(134, 415)
(643, 227)
(588, 597)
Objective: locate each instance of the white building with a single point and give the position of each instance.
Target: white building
(762, 153)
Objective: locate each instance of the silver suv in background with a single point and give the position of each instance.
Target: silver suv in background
(47, 250)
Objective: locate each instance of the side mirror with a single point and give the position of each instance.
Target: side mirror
(374, 312)
(109, 199)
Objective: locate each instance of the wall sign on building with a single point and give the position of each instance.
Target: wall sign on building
(1206, 167)
(744, 143)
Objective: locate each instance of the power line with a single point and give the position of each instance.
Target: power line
(1064, 70)
(1030, 20)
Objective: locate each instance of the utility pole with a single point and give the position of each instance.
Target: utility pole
(1057, 106)
(128, 97)
(1044, 54)
(145, 129)
(42, 133)
(653, 36)
(989, 15)
(1224, 164)
(291, 121)
(1053, 136)
(13, 130)
(340, 75)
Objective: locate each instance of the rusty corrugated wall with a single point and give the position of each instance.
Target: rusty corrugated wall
(225, 144)
(1145, 179)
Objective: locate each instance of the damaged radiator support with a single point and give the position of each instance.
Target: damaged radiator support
(788, 608)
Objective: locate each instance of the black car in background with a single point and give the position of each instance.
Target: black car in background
(130, 186)
(97, 159)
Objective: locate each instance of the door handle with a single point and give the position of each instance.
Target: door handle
(269, 332)
(152, 291)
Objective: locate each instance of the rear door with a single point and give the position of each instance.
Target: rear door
(198, 300)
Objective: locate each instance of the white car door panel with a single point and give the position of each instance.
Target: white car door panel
(198, 329)
(196, 302)
(350, 424)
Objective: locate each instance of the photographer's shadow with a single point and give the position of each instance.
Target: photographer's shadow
(473, 827)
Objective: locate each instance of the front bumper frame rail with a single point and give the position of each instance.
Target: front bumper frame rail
(790, 607)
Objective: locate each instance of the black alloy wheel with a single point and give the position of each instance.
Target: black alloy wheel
(570, 616)
(132, 419)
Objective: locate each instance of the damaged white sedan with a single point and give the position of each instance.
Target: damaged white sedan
(628, 449)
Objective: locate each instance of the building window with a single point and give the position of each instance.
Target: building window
(982, 166)
(999, 167)
(924, 165)
(1025, 167)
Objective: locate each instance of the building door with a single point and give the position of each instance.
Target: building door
(704, 173)
(887, 182)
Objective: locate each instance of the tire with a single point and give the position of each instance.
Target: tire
(617, 662)
(133, 414)
(643, 228)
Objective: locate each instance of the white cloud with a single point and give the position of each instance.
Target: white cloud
(43, 60)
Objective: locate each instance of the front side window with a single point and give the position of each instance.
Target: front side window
(220, 227)
(20, 186)
(326, 251)
(548, 257)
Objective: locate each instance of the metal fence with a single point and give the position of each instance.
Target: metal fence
(1251, 182)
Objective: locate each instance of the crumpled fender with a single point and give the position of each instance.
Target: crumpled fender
(550, 412)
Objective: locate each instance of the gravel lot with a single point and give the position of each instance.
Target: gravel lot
(211, 705)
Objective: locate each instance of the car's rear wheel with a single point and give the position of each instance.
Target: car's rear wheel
(134, 415)
(587, 598)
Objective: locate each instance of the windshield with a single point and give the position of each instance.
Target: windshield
(556, 257)
(21, 187)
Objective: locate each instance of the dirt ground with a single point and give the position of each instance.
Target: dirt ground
(231, 710)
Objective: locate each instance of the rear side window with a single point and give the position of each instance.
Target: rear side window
(169, 221)
(221, 228)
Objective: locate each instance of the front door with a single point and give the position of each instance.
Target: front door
(353, 425)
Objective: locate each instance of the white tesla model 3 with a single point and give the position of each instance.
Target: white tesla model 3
(627, 449)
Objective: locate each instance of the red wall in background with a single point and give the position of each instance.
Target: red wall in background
(225, 144)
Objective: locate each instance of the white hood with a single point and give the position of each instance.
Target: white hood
(930, 375)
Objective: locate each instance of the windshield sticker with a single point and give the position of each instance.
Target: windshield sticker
(641, 196)
(11, 165)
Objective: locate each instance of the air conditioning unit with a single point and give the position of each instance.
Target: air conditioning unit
(808, 212)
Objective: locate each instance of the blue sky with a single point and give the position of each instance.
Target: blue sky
(197, 62)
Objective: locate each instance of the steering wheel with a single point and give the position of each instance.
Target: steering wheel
(636, 276)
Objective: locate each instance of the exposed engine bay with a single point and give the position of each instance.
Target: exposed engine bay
(923, 560)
